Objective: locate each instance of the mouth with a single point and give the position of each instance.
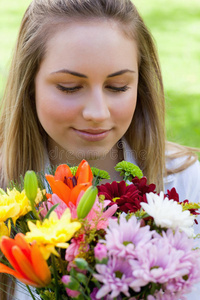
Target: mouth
(92, 135)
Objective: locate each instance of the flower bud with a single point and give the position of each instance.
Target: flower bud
(81, 263)
(31, 185)
(86, 202)
(100, 251)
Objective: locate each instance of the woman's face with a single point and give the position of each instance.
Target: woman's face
(86, 88)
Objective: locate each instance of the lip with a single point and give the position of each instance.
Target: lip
(91, 134)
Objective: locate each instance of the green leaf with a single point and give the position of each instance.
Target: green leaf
(50, 211)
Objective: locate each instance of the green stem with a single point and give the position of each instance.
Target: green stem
(61, 264)
(125, 178)
(56, 277)
(28, 288)
(34, 211)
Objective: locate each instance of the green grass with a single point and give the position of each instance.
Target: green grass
(175, 25)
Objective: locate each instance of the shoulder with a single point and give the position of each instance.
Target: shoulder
(187, 181)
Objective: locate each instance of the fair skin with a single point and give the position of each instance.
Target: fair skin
(86, 92)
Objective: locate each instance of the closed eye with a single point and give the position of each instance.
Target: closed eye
(68, 90)
(118, 89)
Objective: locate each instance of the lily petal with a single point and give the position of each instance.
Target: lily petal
(7, 270)
(20, 255)
(6, 247)
(62, 172)
(76, 191)
(59, 188)
(26, 266)
(84, 173)
(40, 265)
(23, 245)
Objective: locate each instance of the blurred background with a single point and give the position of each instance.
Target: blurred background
(175, 25)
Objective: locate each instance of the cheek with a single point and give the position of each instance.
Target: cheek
(124, 111)
(52, 109)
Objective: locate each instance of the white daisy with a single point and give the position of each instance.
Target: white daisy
(168, 213)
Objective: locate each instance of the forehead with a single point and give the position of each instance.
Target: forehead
(83, 43)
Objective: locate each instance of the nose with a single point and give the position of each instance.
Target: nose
(96, 108)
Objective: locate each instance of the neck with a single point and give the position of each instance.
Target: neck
(106, 162)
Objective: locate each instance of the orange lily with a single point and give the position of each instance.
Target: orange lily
(68, 187)
(28, 264)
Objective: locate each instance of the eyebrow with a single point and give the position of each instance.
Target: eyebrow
(65, 71)
(120, 73)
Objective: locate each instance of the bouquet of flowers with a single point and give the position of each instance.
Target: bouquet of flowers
(70, 237)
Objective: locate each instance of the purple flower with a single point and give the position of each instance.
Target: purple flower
(116, 276)
(100, 251)
(189, 261)
(168, 260)
(93, 294)
(123, 238)
(158, 262)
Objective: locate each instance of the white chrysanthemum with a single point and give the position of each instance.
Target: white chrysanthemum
(168, 213)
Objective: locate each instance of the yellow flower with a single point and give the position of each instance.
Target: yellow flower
(15, 204)
(4, 231)
(52, 232)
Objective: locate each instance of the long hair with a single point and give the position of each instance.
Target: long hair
(22, 139)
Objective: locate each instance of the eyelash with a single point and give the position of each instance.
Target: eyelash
(118, 89)
(77, 88)
(68, 90)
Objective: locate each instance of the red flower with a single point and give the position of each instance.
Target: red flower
(128, 198)
(172, 195)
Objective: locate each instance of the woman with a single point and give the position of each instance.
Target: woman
(85, 82)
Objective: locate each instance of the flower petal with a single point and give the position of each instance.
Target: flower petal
(40, 265)
(7, 270)
(26, 266)
(23, 245)
(84, 173)
(6, 247)
(59, 188)
(76, 191)
(62, 172)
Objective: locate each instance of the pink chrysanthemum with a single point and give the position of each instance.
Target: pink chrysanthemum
(190, 259)
(123, 238)
(168, 260)
(116, 276)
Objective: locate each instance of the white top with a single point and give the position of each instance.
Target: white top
(187, 184)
